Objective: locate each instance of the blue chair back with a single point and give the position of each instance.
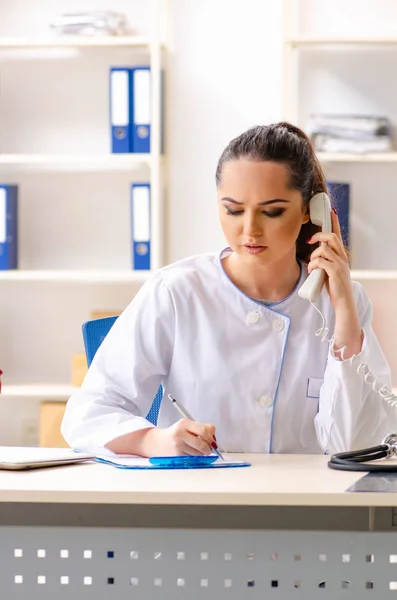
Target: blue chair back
(94, 332)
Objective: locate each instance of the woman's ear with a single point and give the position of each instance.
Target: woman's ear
(306, 214)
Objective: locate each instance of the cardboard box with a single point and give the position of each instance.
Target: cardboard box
(51, 415)
(101, 314)
(79, 368)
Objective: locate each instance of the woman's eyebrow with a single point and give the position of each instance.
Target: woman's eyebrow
(266, 202)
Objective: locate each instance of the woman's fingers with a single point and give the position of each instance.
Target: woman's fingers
(326, 252)
(204, 430)
(194, 437)
(196, 445)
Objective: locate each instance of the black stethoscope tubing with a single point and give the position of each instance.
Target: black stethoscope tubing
(351, 461)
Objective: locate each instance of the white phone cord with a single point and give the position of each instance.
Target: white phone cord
(362, 368)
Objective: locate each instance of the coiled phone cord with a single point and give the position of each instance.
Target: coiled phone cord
(351, 461)
(362, 369)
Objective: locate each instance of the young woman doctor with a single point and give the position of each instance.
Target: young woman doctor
(229, 337)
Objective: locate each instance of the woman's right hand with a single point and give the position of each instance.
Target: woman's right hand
(184, 437)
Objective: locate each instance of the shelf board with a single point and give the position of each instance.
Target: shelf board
(311, 40)
(377, 157)
(74, 41)
(43, 391)
(67, 276)
(373, 275)
(124, 276)
(39, 391)
(110, 162)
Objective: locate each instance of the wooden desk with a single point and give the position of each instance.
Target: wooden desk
(284, 528)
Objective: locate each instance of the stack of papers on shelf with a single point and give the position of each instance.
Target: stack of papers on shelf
(126, 461)
(350, 133)
(96, 22)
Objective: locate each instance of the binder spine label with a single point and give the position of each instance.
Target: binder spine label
(3, 216)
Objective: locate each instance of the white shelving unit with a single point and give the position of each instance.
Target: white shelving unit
(59, 297)
(73, 41)
(376, 275)
(325, 40)
(122, 277)
(293, 43)
(346, 78)
(81, 162)
(370, 157)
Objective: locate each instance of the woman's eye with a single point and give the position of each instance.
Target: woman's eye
(233, 212)
(274, 213)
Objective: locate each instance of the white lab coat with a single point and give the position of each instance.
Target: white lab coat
(258, 373)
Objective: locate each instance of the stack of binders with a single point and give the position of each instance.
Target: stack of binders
(130, 109)
(8, 227)
(130, 133)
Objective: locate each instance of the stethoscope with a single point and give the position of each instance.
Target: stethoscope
(350, 461)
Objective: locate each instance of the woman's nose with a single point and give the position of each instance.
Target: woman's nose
(252, 227)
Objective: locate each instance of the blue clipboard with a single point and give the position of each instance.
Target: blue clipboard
(170, 462)
(182, 462)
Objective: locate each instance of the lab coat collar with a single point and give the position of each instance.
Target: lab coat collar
(276, 306)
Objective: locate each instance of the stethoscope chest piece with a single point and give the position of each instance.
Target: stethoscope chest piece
(391, 441)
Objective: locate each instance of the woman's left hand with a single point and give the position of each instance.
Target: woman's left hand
(331, 256)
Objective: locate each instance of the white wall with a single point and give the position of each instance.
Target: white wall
(225, 73)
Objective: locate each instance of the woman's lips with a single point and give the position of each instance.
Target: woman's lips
(254, 249)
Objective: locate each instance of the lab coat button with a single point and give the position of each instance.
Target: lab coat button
(252, 317)
(278, 325)
(266, 401)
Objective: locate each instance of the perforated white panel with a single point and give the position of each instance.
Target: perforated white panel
(173, 564)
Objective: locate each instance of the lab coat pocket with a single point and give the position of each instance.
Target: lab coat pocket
(308, 432)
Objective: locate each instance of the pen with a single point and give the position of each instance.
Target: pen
(186, 415)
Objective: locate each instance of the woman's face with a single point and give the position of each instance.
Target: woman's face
(259, 214)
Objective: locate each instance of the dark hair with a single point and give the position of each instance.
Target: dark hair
(283, 143)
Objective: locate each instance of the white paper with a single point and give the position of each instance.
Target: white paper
(23, 454)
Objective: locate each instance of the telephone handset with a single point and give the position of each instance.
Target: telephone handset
(320, 214)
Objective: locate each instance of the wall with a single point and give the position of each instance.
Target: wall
(225, 76)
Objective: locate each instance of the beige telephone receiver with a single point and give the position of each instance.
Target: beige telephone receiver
(320, 214)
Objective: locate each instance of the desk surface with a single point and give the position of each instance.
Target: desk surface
(277, 479)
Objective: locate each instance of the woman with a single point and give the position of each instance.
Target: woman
(229, 337)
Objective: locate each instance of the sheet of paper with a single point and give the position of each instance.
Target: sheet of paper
(17, 454)
(375, 482)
